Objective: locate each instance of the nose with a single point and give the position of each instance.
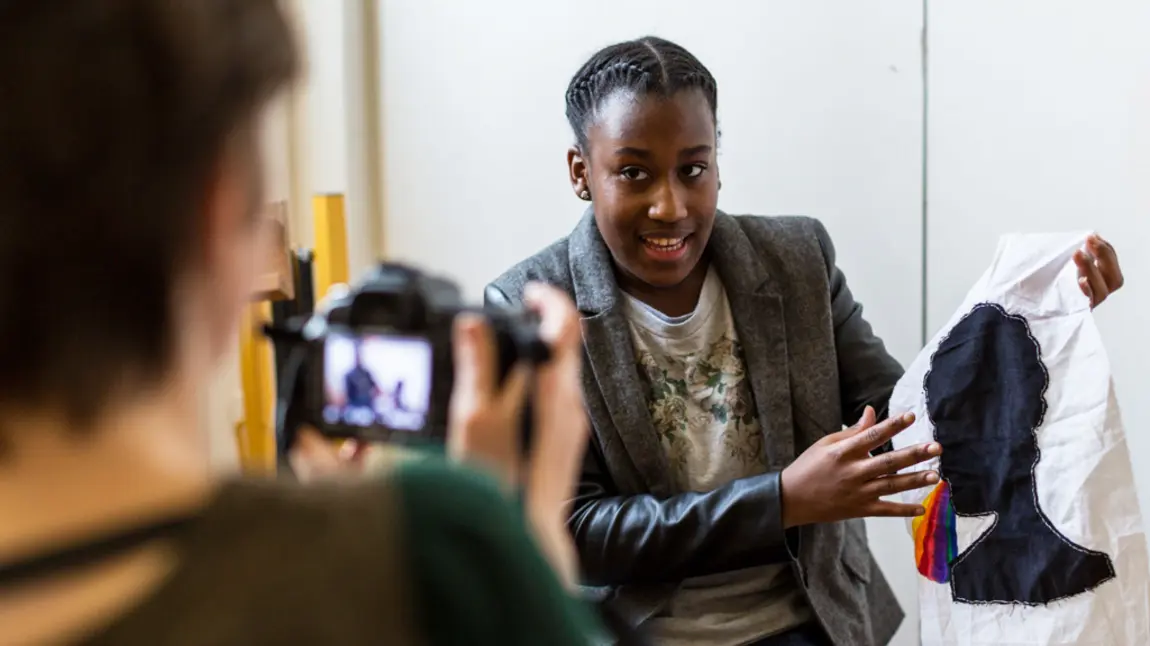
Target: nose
(669, 204)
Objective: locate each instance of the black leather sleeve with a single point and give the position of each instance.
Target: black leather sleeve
(646, 539)
(867, 372)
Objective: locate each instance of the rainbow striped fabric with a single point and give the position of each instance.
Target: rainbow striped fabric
(935, 537)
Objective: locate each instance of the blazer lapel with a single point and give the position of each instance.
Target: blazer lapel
(757, 308)
(611, 356)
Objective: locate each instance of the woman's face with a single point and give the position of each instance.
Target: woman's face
(650, 168)
(236, 237)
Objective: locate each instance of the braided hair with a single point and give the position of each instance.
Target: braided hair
(648, 65)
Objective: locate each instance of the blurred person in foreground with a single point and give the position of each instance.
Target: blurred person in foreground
(129, 188)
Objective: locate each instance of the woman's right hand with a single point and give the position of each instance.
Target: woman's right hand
(484, 427)
(837, 478)
(561, 429)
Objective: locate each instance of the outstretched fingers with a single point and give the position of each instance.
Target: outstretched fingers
(890, 485)
(886, 509)
(894, 461)
(866, 440)
(866, 421)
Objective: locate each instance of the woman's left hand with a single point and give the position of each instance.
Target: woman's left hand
(1099, 274)
(315, 457)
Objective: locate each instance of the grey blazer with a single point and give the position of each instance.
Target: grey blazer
(813, 362)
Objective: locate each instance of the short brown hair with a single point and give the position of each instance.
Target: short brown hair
(114, 115)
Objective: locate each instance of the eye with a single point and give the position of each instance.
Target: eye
(694, 170)
(634, 173)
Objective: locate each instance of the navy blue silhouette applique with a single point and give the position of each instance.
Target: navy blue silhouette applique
(985, 394)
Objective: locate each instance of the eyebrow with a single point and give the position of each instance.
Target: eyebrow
(696, 150)
(646, 154)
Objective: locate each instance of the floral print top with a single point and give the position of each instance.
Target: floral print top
(701, 406)
(699, 397)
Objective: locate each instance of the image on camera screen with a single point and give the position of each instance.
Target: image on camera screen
(377, 380)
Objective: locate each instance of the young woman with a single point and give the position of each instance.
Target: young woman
(129, 195)
(720, 502)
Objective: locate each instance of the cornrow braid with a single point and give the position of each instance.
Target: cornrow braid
(648, 65)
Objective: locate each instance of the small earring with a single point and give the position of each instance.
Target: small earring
(585, 195)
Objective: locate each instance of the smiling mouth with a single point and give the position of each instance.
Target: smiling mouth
(664, 244)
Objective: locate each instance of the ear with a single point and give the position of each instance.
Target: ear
(577, 173)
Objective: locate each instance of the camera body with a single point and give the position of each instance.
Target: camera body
(379, 364)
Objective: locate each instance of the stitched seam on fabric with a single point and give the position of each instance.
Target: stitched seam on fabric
(1033, 473)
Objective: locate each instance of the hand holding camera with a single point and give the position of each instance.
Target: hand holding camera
(484, 427)
(492, 364)
(485, 415)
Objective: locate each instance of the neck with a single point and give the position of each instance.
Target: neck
(141, 461)
(676, 300)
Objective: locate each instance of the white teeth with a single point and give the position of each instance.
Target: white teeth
(665, 244)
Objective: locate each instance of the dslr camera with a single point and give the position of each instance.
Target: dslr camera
(378, 365)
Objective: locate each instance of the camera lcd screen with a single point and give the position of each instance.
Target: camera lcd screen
(377, 380)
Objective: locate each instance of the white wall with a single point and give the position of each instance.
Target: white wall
(327, 79)
(820, 106)
(1039, 120)
(341, 139)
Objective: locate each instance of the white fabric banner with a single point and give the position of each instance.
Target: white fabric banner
(1034, 535)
